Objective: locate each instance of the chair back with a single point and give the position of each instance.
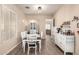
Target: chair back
(32, 38)
(24, 34)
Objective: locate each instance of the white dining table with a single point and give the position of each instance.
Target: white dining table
(27, 40)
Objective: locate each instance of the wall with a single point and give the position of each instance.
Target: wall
(67, 13)
(9, 43)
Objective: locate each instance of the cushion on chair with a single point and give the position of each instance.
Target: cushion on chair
(31, 44)
(24, 38)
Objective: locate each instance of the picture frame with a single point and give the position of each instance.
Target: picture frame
(77, 25)
(54, 22)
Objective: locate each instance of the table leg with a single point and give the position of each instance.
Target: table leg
(24, 46)
(40, 46)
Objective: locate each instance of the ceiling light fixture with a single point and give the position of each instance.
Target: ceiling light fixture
(27, 7)
(39, 8)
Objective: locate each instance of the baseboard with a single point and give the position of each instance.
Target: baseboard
(12, 48)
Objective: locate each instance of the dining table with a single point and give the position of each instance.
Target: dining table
(25, 40)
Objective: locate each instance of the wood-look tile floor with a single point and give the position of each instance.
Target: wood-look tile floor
(48, 48)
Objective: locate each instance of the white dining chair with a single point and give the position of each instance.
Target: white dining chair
(32, 44)
(23, 34)
(24, 37)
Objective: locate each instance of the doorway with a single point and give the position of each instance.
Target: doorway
(48, 26)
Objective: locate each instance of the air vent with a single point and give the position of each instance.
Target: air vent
(27, 7)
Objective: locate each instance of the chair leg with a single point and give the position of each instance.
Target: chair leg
(35, 50)
(28, 50)
(23, 47)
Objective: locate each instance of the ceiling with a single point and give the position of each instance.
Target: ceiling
(44, 9)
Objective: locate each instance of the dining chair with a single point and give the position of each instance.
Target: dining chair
(24, 37)
(32, 44)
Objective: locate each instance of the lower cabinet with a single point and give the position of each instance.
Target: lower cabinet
(65, 42)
